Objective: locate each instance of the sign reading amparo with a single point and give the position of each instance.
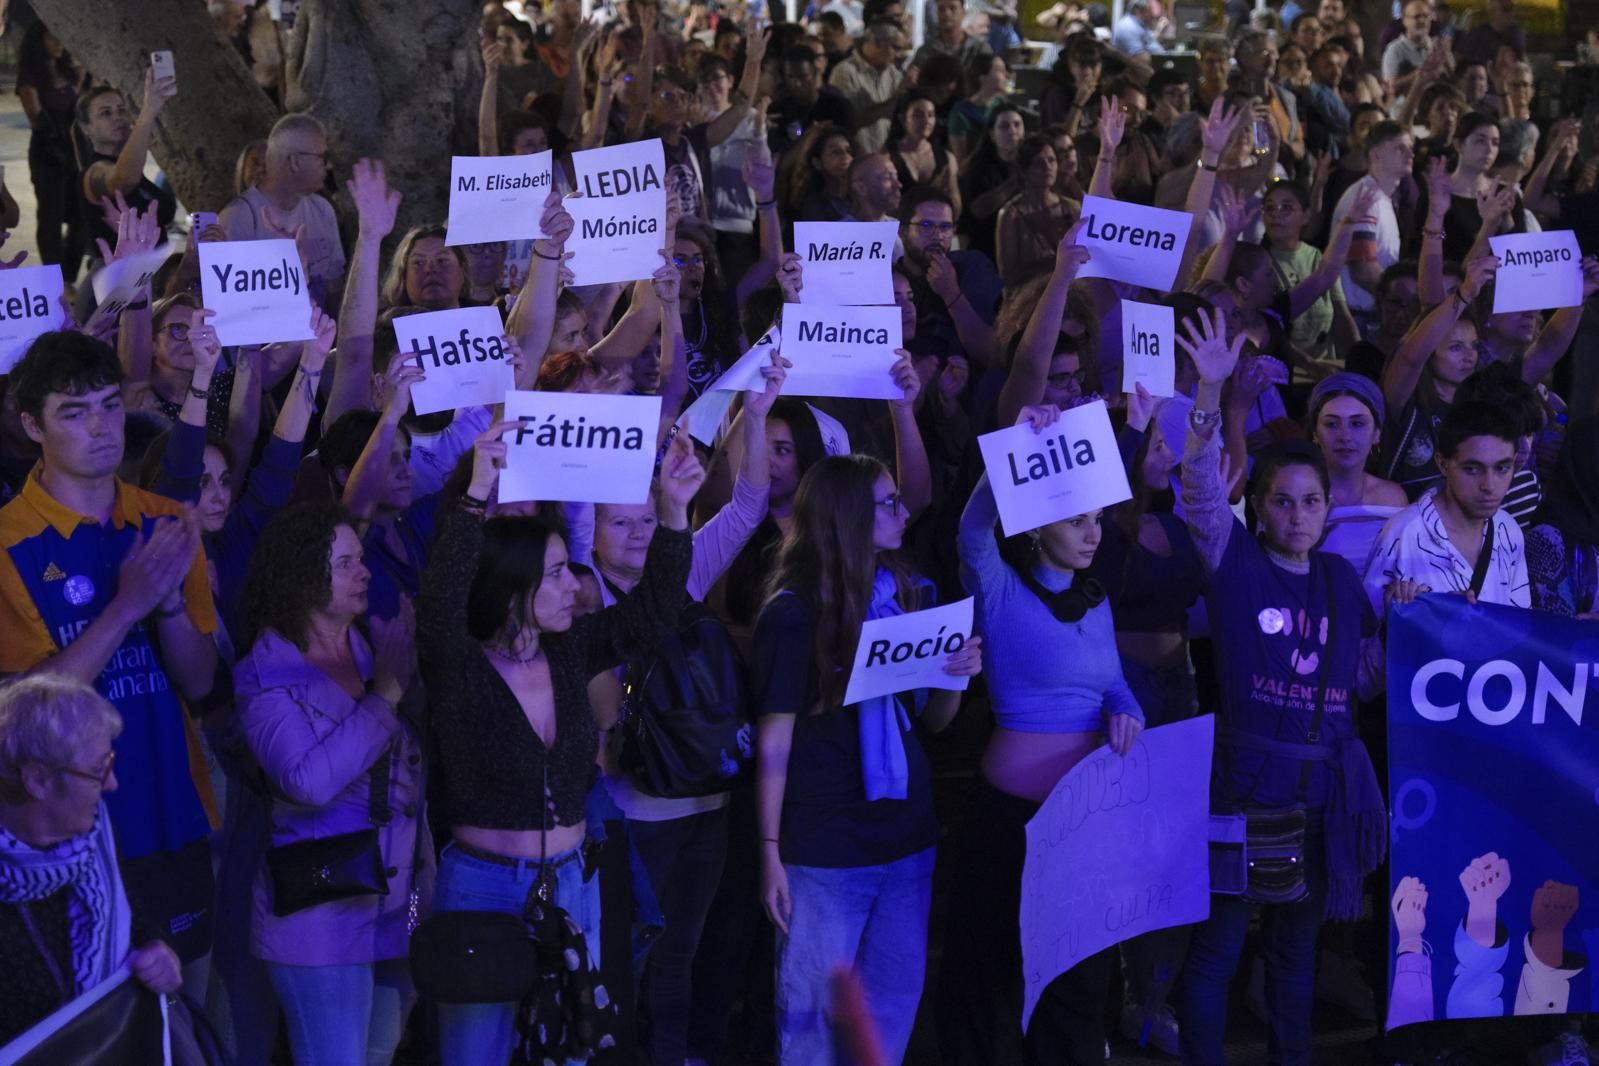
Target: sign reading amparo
(621, 214)
(497, 198)
(463, 354)
(580, 447)
(1132, 243)
(257, 289)
(1537, 271)
(1069, 469)
(29, 305)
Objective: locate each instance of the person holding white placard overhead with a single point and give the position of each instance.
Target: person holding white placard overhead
(1050, 711)
(844, 794)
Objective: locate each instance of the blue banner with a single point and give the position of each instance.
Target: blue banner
(1494, 788)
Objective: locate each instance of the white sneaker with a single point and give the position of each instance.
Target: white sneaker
(1161, 1026)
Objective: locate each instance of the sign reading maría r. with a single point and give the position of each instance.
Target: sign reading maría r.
(621, 214)
(846, 262)
(29, 305)
(1070, 468)
(257, 289)
(904, 652)
(841, 351)
(1132, 243)
(580, 447)
(1537, 271)
(463, 354)
(497, 198)
(1148, 358)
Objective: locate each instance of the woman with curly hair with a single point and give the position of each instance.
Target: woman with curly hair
(817, 189)
(319, 703)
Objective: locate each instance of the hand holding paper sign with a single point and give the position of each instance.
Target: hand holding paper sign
(905, 378)
(791, 277)
(488, 459)
(556, 222)
(759, 404)
(1070, 255)
(681, 477)
(394, 388)
(1121, 731)
(16, 260)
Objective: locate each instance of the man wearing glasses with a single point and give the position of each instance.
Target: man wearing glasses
(956, 293)
(288, 205)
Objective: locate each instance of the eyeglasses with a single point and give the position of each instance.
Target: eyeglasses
(695, 261)
(1068, 377)
(322, 155)
(928, 227)
(100, 776)
(178, 331)
(892, 504)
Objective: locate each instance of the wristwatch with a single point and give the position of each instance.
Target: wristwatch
(1202, 419)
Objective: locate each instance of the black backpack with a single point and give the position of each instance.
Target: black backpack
(685, 713)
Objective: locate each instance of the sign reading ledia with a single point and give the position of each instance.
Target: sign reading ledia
(621, 214)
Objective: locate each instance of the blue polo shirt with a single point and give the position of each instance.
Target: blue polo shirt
(58, 571)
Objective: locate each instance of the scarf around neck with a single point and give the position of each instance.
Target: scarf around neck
(882, 721)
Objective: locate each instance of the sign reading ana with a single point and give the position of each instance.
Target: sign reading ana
(846, 262)
(1537, 271)
(497, 198)
(257, 289)
(1117, 850)
(28, 307)
(1148, 358)
(463, 355)
(621, 214)
(1132, 243)
(841, 351)
(907, 651)
(580, 447)
(1071, 468)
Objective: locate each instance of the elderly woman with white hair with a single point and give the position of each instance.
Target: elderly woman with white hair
(65, 925)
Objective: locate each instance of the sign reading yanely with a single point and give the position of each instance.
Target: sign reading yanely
(257, 289)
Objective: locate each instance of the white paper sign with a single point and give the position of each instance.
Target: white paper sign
(257, 289)
(1148, 356)
(462, 354)
(841, 351)
(124, 282)
(497, 197)
(846, 262)
(621, 215)
(1117, 850)
(1537, 271)
(1133, 243)
(1069, 469)
(704, 416)
(30, 304)
(907, 651)
(580, 447)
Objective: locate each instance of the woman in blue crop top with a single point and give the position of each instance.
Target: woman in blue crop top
(844, 794)
(1058, 691)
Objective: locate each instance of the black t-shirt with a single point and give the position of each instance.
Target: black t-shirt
(792, 118)
(827, 820)
(1409, 439)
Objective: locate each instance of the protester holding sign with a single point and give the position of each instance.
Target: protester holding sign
(1345, 420)
(1295, 642)
(1050, 712)
(845, 799)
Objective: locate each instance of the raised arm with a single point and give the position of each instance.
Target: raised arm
(1402, 373)
(912, 471)
(1112, 124)
(1325, 276)
(761, 177)
(375, 205)
(1029, 367)
(1210, 520)
(1216, 131)
(488, 101)
(362, 483)
(638, 106)
(724, 125)
(674, 355)
(532, 317)
(585, 38)
(1431, 289)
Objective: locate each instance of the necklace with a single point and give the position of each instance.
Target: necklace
(520, 660)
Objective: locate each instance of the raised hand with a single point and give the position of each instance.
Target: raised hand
(1236, 213)
(666, 280)
(1410, 912)
(759, 404)
(760, 175)
(905, 378)
(1438, 190)
(791, 277)
(1069, 255)
(203, 340)
(1251, 381)
(1112, 124)
(488, 458)
(1479, 272)
(1040, 416)
(681, 477)
(1495, 205)
(375, 203)
(314, 356)
(137, 231)
(1217, 128)
(1207, 345)
(556, 221)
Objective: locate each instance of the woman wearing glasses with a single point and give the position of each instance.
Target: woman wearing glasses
(64, 920)
(844, 793)
(172, 365)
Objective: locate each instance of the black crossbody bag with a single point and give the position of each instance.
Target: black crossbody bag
(311, 872)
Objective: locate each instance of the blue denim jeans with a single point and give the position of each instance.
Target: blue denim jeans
(477, 1033)
(870, 918)
(684, 858)
(1289, 945)
(344, 1015)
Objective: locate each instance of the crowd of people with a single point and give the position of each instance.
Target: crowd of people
(267, 629)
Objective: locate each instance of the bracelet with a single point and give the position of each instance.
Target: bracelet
(140, 306)
(1204, 418)
(551, 258)
(1214, 168)
(179, 609)
(1465, 301)
(949, 305)
(472, 503)
(765, 203)
(1433, 234)
(199, 394)
(769, 840)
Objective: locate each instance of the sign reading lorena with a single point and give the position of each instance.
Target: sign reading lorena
(841, 351)
(580, 447)
(621, 214)
(1069, 469)
(1132, 243)
(257, 289)
(846, 262)
(498, 197)
(1537, 271)
(29, 306)
(907, 651)
(1148, 358)
(463, 354)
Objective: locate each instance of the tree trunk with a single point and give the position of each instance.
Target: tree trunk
(218, 110)
(392, 80)
(396, 81)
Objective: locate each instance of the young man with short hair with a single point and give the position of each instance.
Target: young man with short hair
(1459, 530)
(106, 583)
